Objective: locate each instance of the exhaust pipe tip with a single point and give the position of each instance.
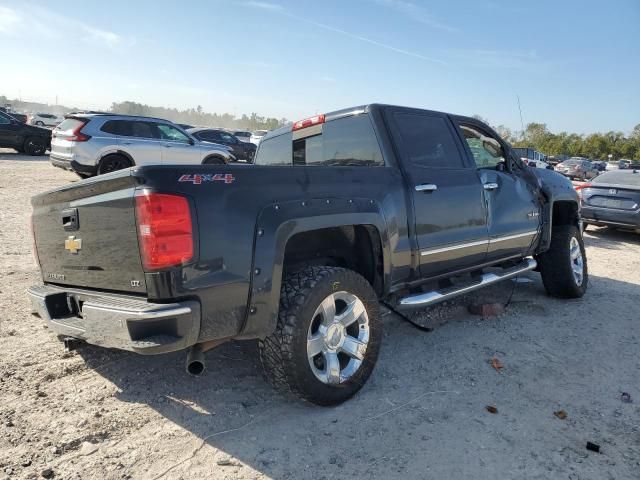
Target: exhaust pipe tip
(71, 343)
(195, 361)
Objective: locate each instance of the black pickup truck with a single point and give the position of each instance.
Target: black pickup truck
(340, 211)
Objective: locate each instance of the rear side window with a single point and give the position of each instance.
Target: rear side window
(117, 127)
(348, 141)
(275, 151)
(207, 135)
(143, 130)
(427, 141)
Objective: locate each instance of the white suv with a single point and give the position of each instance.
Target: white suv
(45, 119)
(95, 143)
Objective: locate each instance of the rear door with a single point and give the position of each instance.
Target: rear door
(449, 211)
(142, 142)
(513, 210)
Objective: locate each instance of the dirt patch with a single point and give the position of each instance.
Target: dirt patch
(110, 414)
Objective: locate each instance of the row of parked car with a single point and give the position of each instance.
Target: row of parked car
(92, 143)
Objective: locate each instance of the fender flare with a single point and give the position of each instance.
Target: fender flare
(275, 226)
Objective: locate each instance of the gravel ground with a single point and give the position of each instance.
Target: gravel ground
(109, 414)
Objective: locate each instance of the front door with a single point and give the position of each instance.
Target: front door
(177, 148)
(514, 213)
(449, 210)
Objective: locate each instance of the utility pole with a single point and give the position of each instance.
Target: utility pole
(520, 110)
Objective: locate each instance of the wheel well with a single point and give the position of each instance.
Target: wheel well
(356, 247)
(565, 213)
(120, 153)
(217, 157)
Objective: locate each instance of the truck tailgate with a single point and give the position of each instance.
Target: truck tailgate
(85, 235)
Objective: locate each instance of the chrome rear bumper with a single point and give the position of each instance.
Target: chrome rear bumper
(117, 321)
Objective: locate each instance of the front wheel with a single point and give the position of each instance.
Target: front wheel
(564, 266)
(328, 335)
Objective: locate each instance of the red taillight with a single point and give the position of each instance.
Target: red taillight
(308, 122)
(77, 136)
(165, 230)
(579, 188)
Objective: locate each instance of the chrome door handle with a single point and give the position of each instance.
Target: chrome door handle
(490, 186)
(167, 146)
(127, 143)
(426, 187)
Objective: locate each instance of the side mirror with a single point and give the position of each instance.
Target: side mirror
(191, 141)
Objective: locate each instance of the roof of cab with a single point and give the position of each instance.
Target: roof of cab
(346, 112)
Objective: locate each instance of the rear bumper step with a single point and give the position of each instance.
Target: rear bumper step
(486, 279)
(117, 321)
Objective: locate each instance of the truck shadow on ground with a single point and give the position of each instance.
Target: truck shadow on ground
(421, 381)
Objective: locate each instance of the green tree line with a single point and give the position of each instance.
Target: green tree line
(198, 117)
(192, 116)
(593, 145)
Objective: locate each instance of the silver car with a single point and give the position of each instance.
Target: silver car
(95, 143)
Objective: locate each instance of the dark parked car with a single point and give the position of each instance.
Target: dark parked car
(242, 135)
(577, 168)
(341, 210)
(241, 150)
(21, 117)
(612, 199)
(22, 137)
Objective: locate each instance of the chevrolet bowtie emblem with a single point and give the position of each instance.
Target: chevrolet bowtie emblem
(72, 244)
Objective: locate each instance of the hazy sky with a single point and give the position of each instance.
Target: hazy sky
(575, 64)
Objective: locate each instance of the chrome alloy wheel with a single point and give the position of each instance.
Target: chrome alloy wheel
(338, 337)
(577, 263)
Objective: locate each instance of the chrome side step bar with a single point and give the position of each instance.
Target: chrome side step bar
(436, 296)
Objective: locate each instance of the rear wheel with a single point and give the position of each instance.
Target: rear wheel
(111, 163)
(328, 335)
(35, 146)
(564, 266)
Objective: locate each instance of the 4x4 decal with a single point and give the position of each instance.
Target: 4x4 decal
(199, 178)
